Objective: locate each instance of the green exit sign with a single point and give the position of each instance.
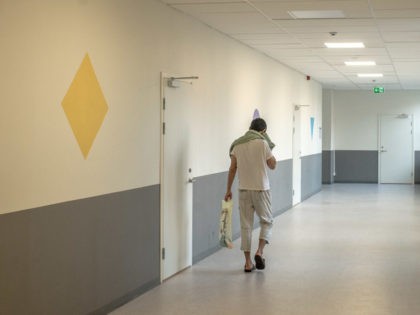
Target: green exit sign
(378, 89)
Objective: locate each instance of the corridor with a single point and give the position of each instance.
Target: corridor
(350, 249)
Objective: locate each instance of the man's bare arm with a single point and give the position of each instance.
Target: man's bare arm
(231, 177)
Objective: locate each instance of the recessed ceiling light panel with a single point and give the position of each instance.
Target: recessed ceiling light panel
(345, 45)
(370, 75)
(360, 63)
(317, 14)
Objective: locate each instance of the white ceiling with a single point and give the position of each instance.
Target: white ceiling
(390, 30)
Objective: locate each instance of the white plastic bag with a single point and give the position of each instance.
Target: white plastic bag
(225, 230)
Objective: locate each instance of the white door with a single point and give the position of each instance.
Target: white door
(396, 155)
(176, 190)
(297, 178)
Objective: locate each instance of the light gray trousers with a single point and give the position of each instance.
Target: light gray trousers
(258, 201)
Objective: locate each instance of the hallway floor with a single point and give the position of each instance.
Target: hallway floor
(350, 249)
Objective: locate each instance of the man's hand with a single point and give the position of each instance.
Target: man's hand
(271, 163)
(228, 196)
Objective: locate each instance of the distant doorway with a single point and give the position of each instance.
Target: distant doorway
(396, 154)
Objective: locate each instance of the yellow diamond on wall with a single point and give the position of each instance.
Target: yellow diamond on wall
(85, 106)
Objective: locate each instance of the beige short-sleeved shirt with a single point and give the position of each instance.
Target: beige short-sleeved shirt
(252, 166)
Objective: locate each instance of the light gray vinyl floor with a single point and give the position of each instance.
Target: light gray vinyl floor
(350, 249)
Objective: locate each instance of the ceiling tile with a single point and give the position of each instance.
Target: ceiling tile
(199, 1)
(239, 23)
(271, 37)
(277, 47)
(302, 59)
(404, 50)
(339, 60)
(396, 9)
(399, 25)
(401, 36)
(317, 40)
(383, 80)
(203, 8)
(328, 25)
(407, 68)
(326, 74)
(394, 4)
(410, 83)
(413, 13)
(348, 70)
(290, 52)
(279, 9)
(387, 87)
(350, 52)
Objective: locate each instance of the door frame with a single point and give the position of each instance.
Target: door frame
(296, 111)
(163, 76)
(167, 81)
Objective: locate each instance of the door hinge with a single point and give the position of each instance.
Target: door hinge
(163, 128)
(163, 253)
(164, 103)
(293, 192)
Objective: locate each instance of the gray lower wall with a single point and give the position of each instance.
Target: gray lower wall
(328, 167)
(281, 184)
(91, 255)
(311, 175)
(354, 166)
(80, 257)
(208, 192)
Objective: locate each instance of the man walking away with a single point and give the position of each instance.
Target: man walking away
(251, 156)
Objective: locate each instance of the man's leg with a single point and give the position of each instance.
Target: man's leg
(248, 261)
(262, 203)
(246, 213)
(261, 245)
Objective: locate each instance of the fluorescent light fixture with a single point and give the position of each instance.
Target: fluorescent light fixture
(370, 75)
(360, 63)
(345, 45)
(317, 14)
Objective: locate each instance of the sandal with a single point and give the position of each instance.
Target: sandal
(249, 270)
(259, 262)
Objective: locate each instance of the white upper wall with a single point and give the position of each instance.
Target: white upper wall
(356, 115)
(327, 119)
(129, 43)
